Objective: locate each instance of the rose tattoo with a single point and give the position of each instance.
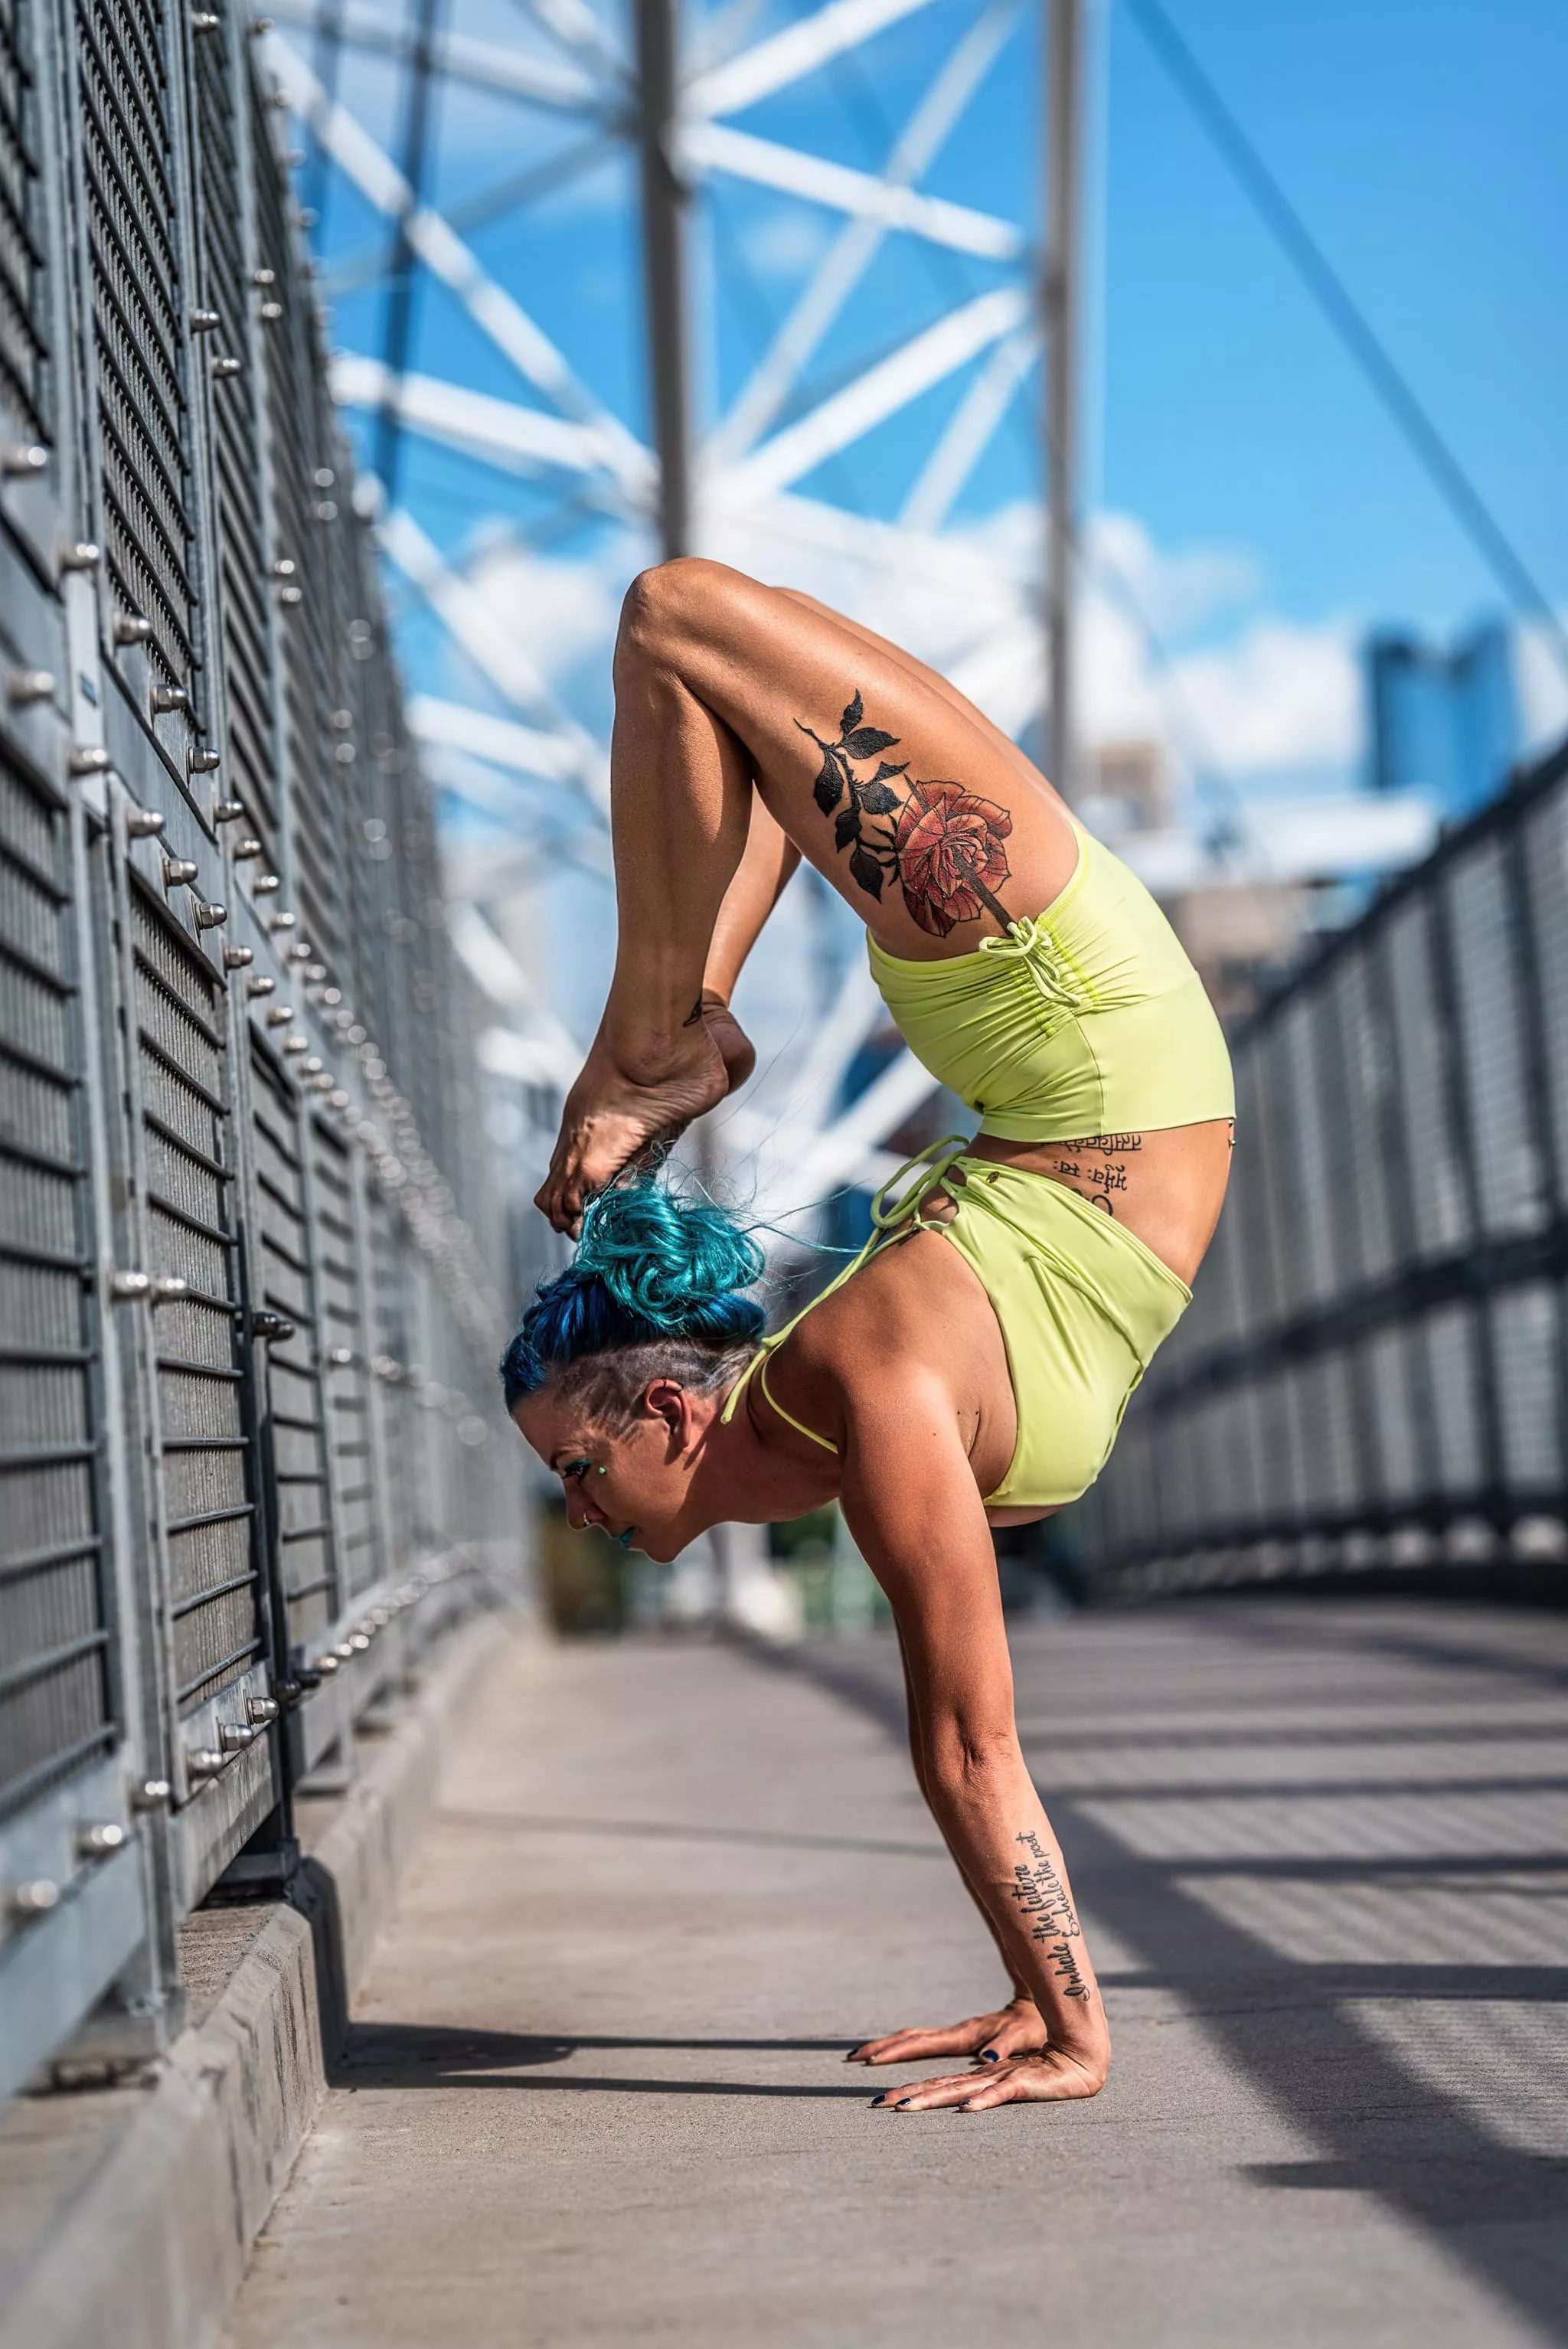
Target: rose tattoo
(943, 843)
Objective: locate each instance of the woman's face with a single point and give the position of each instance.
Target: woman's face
(635, 1483)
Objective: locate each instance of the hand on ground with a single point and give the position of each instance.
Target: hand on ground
(1052, 2078)
(1014, 2029)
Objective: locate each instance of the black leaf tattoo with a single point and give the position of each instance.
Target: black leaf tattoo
(865, 869)
(943, 846)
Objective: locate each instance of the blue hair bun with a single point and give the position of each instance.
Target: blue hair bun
(665, 1259)
(649, 1265)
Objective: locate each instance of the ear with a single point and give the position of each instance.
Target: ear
(666, 1399)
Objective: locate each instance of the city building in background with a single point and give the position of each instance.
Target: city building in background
(1444, 724)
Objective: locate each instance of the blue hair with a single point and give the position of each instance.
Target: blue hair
(649, 1268)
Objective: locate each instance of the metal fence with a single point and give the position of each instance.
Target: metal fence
(248, 1453)
(1372, 1373)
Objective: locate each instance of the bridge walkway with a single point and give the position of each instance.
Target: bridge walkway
(595, 2093)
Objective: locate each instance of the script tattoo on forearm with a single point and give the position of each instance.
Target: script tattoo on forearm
(1047, 1909)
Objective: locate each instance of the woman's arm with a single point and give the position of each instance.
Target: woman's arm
(911, 1501)
(1014, 2029)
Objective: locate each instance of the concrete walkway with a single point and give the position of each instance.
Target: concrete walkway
(594, 2092)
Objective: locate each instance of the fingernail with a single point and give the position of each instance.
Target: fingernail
(901, 2103)
(989, 2055)
(966, 2107)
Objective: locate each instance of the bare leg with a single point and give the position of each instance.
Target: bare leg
(1016, 2029)
(720, 681)
(760, 879)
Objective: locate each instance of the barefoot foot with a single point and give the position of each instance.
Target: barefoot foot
(612, 1116)
(736, 1048)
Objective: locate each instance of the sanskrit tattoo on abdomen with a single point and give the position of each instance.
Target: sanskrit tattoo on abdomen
(1047, 1910)
(941, 844)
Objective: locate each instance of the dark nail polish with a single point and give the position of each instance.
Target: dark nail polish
(989, 2055)
(901, 2103)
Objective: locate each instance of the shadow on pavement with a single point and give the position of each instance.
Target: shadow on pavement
(1294, 2030)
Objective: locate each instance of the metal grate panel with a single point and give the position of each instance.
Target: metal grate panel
(1527, 1351)
(1508, 1174)
(245, 618)
(347, 1353)
(300, 451)
(1454, 1388)
(205, 1480)
(295, 1411)
(1430, 1144)
(53, 1692)
(138, 320)
(24, 342)
(1546, 862)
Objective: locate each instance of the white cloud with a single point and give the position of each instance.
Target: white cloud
(562, 608)
(1278, 696)
(1541, 687)
(1174, 589)
(785, 242)
(1258, 697)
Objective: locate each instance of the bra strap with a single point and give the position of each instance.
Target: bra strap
(936, 1163)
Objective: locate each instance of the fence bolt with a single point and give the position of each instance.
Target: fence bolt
(234, 1736)
(224, 370)
(98, 1842)
(266, 884)
(131, 628)
(18, 458)
(228, 810)
(143, 823)
(36, 1897)
(240, 959)
(262, 1710)
(81, 554)
(152, 1795)
(205, 322)
(211, 916)
(30, 685)
(246, 849)
(279, 1014)
(179, 871)
(170, 696)
(205, 1764)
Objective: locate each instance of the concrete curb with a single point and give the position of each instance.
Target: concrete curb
(148, 2249)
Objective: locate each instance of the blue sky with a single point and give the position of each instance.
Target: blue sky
(1242, 474)
(1422, 144)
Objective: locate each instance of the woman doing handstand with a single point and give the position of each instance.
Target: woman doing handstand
(975, 1366)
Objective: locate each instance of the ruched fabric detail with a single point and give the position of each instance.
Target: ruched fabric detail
(1086, 1018)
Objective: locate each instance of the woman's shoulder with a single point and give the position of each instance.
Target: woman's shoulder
(908, 1307)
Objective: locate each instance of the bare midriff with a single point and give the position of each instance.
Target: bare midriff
(1165, 1187)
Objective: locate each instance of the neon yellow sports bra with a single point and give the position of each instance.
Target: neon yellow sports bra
(1087, 1019)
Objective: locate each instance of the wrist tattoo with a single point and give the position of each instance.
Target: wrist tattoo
(1047, 1910)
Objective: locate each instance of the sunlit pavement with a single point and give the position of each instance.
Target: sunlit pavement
(595, 2090)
